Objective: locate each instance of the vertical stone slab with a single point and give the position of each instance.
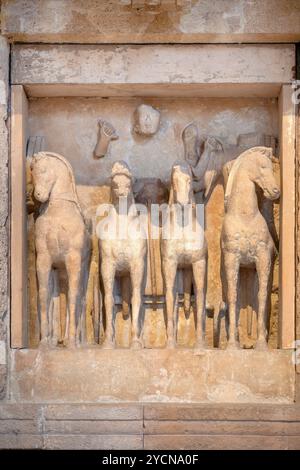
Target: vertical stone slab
(287, 218)
(4, 315)
(298, 214)
(19, 323)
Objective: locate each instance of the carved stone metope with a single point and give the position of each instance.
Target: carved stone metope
(129, 260)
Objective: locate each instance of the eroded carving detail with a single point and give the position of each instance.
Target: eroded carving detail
(147, 120)
(107, 133)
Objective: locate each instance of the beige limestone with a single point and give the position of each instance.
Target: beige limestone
(4, 198)
(152, 64)
(149, 64)
(115, 21)
(287, 212)
(224, 426)
(98, 375)
(226, 118)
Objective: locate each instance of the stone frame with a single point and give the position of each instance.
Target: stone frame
(190, 83)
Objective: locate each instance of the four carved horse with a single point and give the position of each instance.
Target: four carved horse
(122, 255)
(61, 237)
(63, 241)
(181, 251)
(245, 239)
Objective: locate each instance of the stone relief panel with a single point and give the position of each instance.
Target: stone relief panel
(152, 292)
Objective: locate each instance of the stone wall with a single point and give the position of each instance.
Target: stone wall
(4, 222)
(114, 21)
(130, 427)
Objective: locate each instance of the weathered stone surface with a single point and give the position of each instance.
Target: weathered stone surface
(18, 411)
(92, 442)
(157, 426)
(222, 427)
(298, 238)
(4, 314)
(216, 412)
(147, 64)
(21, 441)
(114, 412)
(98, 375)
(115, 22)
(93, 427)
(224, 442)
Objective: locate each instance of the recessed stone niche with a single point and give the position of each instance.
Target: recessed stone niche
(68, 125)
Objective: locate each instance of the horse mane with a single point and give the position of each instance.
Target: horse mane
(67, 164)
(266, 151)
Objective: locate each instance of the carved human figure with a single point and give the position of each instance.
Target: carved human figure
(121, 255)
(62, 240)
(245, 239)
(186, 249)
(107, 133)
(147, 120)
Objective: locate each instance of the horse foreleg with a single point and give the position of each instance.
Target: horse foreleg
(169, 268)
(74, 272)
(108, 277)
(125, 292)
(136, 274)
(43, 266)
(187, 289)
(263, 268)
(231, 266)
(199, 272)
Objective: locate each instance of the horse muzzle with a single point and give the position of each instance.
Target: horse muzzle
(272, 194)
(41, 196)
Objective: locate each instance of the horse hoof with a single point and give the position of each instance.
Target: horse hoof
(137, 344)
(108, 344)
(233, 346)
(44, 343)
(171, 344)
(70, 343)
(199, 344)
(261, 345)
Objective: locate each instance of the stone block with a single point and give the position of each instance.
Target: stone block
(98, 375)
(92, 442)
(117, 22)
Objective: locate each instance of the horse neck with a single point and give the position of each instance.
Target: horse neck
(63, 190)
(129, 202)
(242, 201)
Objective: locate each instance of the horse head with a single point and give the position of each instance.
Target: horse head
(181, 184)
(43, 176)
(260, 170)
(121, 181)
